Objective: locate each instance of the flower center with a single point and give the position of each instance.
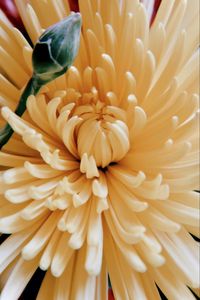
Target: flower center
(100, 133)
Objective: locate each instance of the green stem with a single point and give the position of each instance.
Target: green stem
(32, 88)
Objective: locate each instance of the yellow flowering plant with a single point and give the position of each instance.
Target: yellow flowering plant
(99, 175)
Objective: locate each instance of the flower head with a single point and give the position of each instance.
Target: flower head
(100, 173)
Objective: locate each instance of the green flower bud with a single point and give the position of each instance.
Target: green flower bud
(56, 49)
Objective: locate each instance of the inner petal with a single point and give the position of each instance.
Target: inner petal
(102, 133)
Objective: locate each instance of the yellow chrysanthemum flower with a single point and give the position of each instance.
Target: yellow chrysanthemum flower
(99, 176)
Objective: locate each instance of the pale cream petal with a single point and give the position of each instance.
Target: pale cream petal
(184, 258)
(11, 160)
(45, 292)
(180, 212)
(19, 278)
(170, 284)
(63, 254)
(49, 251)
(63, 283)
(83, 285)
(13, 245)
(16, 175)
(39, 240)
(41, 171)
(14, 223)
(130, 254)
(94, 242)
(102, 283)
(118, 284)
(189, 198)
(157, 220)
